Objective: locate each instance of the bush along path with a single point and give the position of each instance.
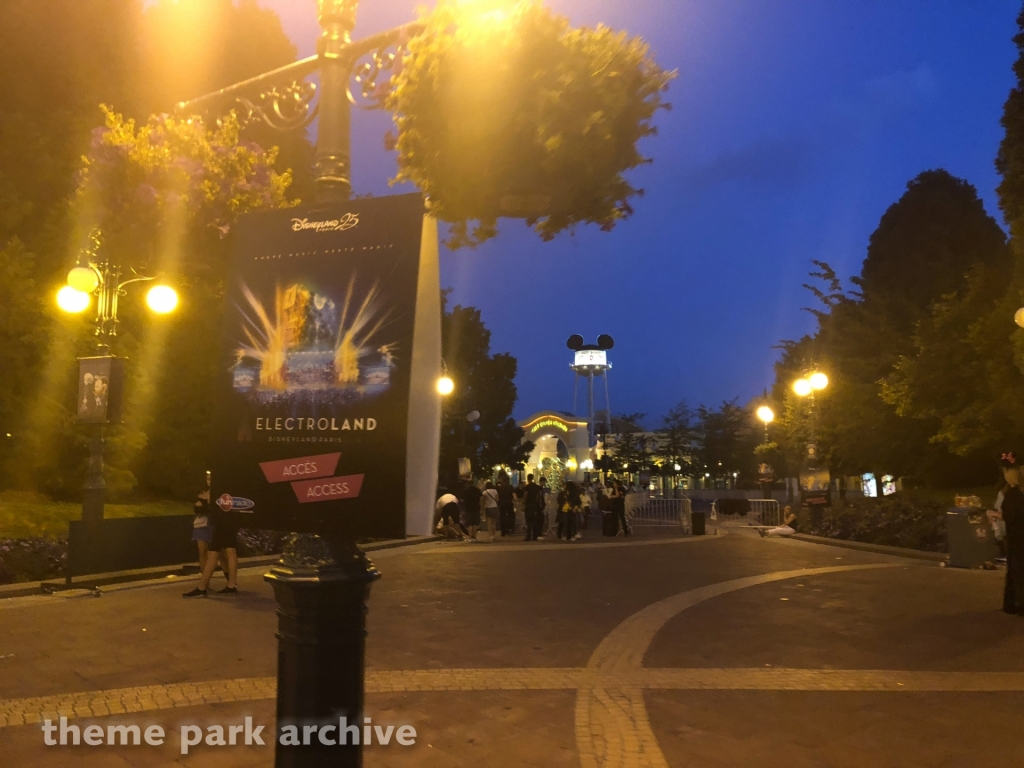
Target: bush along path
(895, 521)
(38, 559)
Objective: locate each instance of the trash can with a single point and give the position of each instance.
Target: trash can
(697, 523)
(970, 538)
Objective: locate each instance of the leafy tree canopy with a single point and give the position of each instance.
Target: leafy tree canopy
(484, 382)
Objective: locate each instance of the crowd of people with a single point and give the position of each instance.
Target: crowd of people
(510, 510)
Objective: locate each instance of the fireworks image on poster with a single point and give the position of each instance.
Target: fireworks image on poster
(308, 346)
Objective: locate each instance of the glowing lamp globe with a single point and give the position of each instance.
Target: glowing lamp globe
(162, 299)
(83, 279)
(445, 385)
(1018, 317)
(802, 387)
(72, 301)
(818, 380)
(766, 414)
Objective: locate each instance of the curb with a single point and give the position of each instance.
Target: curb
(91, 581)
(881, 549)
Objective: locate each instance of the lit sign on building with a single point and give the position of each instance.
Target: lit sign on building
(591, 357)
(549, 423)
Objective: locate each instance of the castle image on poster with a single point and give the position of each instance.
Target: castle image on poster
(303, 344)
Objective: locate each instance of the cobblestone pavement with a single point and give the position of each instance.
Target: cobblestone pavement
(509, 654)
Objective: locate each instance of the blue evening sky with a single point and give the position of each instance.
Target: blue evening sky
(795, 124)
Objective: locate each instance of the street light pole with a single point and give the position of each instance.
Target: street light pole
(332, 169)
(321, 583)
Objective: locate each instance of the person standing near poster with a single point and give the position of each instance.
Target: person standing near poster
(223, 543)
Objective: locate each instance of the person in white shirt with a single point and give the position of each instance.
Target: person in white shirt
(447, 508)
(489, 501)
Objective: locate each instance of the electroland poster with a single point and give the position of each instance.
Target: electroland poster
(313, 403)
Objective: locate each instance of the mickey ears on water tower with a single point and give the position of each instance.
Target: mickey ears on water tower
(575, 342)
(604, 341)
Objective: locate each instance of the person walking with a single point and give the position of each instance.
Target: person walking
(533, 500)
(506, 507)
(471, 500)
(1012, 515)
(490, 508)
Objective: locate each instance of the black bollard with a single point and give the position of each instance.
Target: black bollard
(321, 589)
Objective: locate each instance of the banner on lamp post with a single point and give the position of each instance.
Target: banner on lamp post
(100, 387)
(320, 377)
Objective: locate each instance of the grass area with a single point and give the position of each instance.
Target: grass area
(28, 514)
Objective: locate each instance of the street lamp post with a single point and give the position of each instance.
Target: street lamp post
(813, 488)
(321, 583)
(806, 387)
(767, 416)
(95, 274)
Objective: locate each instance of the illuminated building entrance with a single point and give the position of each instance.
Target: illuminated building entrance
(558, 436)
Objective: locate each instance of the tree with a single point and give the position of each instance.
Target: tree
(52, 105)
(880, 412)
(1010, 160)
(725, 440)
(483, 383)
(163, 195)
(923, 248)
(22, 338)
(676, 438)
(630, 444)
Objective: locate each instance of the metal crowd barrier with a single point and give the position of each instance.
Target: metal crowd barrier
(646, 511)
(756, 511)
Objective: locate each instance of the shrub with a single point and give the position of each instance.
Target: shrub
(32, 559)
(896, 521)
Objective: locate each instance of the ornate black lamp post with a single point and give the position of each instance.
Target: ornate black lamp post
(321, 584)
(99, 404)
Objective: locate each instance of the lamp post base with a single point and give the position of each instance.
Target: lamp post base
(321, 590)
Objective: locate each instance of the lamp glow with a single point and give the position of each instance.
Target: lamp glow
(162, 299)
(802, 387)
(83, 279)
(445, 385)
(1018, 317)
(818, 380)
(766, 414)
(71, 300)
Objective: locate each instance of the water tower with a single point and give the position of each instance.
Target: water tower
(591, 360)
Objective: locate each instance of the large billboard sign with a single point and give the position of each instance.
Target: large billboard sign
(313, 404)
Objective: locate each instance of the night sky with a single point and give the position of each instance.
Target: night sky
(795, 124)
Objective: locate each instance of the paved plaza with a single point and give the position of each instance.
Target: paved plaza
(727, 650)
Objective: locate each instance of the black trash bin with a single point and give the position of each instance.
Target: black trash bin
(697, 523)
